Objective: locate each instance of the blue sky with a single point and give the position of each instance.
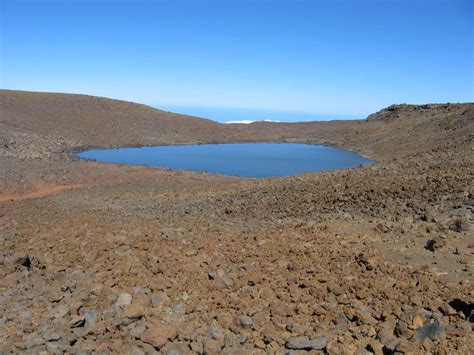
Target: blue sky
(327, 58)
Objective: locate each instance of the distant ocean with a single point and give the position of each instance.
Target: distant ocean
(240, 115)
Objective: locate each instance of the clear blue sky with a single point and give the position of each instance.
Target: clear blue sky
(346, 58)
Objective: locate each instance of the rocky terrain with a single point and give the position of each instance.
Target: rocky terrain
(128, 259)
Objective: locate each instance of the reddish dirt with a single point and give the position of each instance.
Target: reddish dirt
(40, 190)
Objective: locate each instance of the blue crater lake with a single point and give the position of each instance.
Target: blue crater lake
(254, 160)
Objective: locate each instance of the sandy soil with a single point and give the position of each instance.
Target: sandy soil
(124, 259)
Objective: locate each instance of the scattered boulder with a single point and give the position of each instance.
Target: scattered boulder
(77, 321)
(134, 311)
(223, 280)
(431, 331)
(369, 262)
(460, 224)
(212, 346)
(158, 335)
(465, 308)
(244, 321)
(23, 260)
(305, 343)
(435, 243)
(124, 299)
(90, 319)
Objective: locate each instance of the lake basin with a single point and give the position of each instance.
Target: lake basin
(253, 160)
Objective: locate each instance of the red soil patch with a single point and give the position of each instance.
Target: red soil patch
(41, 190)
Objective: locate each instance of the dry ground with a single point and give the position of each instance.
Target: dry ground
(127, 259)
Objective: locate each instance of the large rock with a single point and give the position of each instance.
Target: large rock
(159, 334)
(435, 243)
(123, 300)
(134, 311)
(244, 321)
(460, 224)
(431, 331)
(304, 343)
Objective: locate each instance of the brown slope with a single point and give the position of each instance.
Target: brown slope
(238, 266)
(68, 122)
(98, 121)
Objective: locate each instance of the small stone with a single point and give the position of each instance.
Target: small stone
(212, 346)
(23, 260)
(223, 279)
(431, 331)
(137, 332)
(296, 328)
(364, 317)
(447, 310)
(60, 345)
(404, 347)
(418, 320)
(241, 338)
(77, 321)
(216, 333)
(57, 296)
(228, 282)
(435, 243)
(25, 316)
(375, 347)
(428, 216)
(366, 261)
(371, 332)
(51, 336)
(318, 343)
(259, 344)
(133, 311)
(97, 289)
(123, 300)
(159, 334)
(346, 216)
(460, 224)
(90, 317)
(33, 339)
(136, 350)
(196, 347)
(271, 336)
(470, 267)
(60, 311)
(254, 277)
(389, 347)
(230, 340)
(244, 321)
(304, 343)
(401, 328)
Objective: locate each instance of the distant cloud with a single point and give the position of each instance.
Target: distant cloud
(248, 121)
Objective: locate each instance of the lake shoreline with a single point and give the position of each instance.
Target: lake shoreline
(233, 159)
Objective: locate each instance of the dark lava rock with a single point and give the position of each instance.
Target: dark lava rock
(466, 308)
(435, 243)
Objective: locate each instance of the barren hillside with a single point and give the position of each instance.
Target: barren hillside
(128, 259)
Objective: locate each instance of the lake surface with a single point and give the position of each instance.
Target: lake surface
(254, 160)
